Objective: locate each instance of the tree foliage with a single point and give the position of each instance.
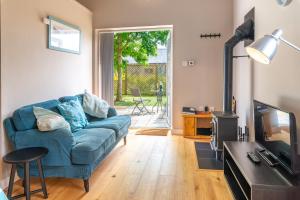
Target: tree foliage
(139, 46)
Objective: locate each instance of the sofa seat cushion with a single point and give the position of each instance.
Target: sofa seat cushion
(115, 123)
(24, 118)
(91, 144)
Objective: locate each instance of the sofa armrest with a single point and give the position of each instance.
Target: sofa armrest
(10, 130)
(112, 112)
(59, 143)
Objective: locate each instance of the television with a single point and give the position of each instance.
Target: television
(275, 131)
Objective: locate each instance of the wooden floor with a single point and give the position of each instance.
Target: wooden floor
(148, 167)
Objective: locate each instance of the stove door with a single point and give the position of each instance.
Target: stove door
(214, 135)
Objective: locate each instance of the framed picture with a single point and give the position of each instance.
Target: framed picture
(63, 36)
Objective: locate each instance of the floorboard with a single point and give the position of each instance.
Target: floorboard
(147, 168)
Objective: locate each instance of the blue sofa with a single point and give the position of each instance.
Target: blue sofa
(71, 155)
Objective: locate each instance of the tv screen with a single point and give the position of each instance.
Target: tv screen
(272, 130)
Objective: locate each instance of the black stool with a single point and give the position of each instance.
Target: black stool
(24, 157)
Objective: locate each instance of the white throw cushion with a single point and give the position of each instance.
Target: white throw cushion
(95, 106)
(48, 120)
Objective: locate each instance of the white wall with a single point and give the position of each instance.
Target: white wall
(243, 71)
(277, 83)
(196, 86)
(29, 71)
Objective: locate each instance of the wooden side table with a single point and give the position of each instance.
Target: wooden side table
(197, 125)
(24, 157)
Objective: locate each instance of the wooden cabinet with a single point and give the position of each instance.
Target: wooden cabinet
(197, 125)
(189, 126)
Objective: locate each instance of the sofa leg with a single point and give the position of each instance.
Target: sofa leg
(86, 185)
(125, 140)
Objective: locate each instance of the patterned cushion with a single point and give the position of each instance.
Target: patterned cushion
(72, 111)
(48, 120)
(111, 111)
(80, 98)
(69, 98)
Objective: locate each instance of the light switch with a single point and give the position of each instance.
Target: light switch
(188, 63)
(184, 63)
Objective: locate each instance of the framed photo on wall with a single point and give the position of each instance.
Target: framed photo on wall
(63, 36)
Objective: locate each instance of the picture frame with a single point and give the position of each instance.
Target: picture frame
(63, 36)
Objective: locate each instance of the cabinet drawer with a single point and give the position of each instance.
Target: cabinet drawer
(204, 122)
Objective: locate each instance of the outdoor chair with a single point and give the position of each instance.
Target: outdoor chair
(159, 100)
(139, 102)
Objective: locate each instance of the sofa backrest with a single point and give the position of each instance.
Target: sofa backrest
(24, 118)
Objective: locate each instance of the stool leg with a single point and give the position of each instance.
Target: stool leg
(42, 178)
(11, 180)
(27, 181)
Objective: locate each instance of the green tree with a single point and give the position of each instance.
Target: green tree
(139, 46)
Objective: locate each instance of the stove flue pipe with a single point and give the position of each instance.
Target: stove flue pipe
(245, 31)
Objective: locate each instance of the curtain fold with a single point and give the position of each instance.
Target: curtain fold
(107, 66)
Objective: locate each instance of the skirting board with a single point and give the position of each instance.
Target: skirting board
(177, 132)
(4, 182)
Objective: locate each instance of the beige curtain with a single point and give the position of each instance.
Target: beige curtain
(107, 66)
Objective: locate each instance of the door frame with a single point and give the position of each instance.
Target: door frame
(97, 60)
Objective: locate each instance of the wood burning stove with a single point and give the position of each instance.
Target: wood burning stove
(224, 128)
(225, 124)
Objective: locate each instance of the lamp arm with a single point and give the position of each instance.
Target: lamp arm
(289, 44)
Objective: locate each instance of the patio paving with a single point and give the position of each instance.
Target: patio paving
(153, 120)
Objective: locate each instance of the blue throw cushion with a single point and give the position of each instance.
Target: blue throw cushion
(72, 111)
(80, 99)
(69, 98)
(111, 111)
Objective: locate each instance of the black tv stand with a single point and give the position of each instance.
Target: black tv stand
(250, 181)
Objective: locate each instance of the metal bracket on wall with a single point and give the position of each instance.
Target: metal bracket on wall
(245, 56)
(210, 35)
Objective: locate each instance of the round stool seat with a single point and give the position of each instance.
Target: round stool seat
(25, 155)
